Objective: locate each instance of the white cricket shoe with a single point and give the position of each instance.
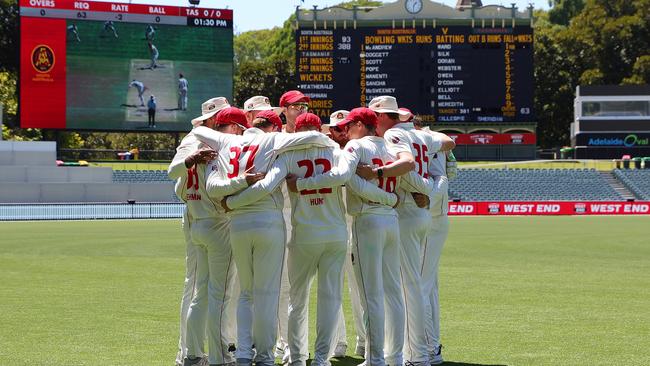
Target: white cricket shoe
(340, 350)
(436, 357)
(360, 350)
(286, 355)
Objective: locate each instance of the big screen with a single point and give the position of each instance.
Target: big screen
(90, 65)
(454, 74)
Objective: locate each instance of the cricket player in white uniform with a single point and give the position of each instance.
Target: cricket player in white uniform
(375, 236)
(256, 104)
(293, 104)
(139, 86)
(414, 220)
(338, 135)
(72, 29)
(109, 26)
(442, 168)
(188, 155)
(257, 231)
(182, 92)
(153, 54)
(149, 33)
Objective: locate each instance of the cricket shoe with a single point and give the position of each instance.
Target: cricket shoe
(360, 350)
(198, 361)
(436, 357)
(420, 363)
(244, 362)
(340, 350)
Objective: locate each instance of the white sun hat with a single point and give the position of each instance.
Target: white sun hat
(260, 103)
(209, 108)
(337, 117)
(385, 104)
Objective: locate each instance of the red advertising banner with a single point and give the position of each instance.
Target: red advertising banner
(543, 208)
(42, 68)
(494, 138)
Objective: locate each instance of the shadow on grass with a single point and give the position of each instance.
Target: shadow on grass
(354, 361)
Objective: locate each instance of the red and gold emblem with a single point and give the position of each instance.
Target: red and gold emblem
(43, 58)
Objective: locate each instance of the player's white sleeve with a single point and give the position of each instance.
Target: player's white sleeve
(300, 140)
(397, 142)
(210, 137)
(218, 187)
(262, 188)
(346, 164)
(413, 182)
(370, 192)
(177, 167)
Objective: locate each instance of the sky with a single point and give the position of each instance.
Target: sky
(266, 14)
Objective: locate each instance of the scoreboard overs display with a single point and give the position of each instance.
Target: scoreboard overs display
(445, 74)
(92, 65)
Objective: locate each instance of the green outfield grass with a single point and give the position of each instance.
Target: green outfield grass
(514, 291)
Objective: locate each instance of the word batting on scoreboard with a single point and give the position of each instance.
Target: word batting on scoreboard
(448, 73)
(91, 65)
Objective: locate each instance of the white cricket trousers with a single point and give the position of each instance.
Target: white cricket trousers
(413, 233)
(258, 243)
(188, 287)
(215, 282)
(357, 311)
(305, 261)
(376, 265)
(430, 262)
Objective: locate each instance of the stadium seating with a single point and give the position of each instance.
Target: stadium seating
(140, 176)
(636, 180)
(531, 185)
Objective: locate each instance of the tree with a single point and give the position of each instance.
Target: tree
(564, 10)
(270, 78)
(9, 35)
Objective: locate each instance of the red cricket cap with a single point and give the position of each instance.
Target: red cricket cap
(362, 114)
(293, 96)
(272, 117)
(307, 119)
(232, 115)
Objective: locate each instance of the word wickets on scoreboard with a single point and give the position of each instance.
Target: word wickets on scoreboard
(125, 12)
(459, 74)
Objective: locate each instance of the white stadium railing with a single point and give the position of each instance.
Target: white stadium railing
(90, 211)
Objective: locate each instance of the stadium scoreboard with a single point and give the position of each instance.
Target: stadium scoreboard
(95, 65)
(453, 74)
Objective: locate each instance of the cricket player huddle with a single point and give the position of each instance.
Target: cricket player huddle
(247, 281)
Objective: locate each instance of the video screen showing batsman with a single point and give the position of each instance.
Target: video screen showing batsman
(121, 67)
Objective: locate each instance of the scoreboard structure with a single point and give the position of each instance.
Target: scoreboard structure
(468, 73)
(121, 66)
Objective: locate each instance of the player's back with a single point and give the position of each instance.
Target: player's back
(423, 147)
(318, 215)
(371, 150)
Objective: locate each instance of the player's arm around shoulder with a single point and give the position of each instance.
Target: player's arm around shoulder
(300, 140)
(261, 188)
(210, 137)
(178, 168)
(446, 142)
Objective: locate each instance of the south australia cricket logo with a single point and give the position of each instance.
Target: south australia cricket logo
(43, 58)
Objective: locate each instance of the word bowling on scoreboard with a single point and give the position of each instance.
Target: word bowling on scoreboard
(447, 74)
